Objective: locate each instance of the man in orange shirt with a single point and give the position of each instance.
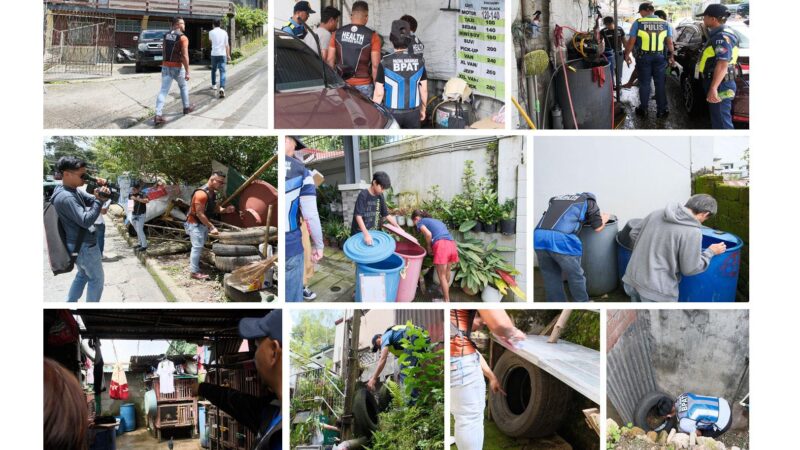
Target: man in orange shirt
(175, 66)
(355, 51)
(197, 225)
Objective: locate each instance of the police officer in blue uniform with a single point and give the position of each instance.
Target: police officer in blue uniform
(698, 414)
(402, 82)
(650, 35)
(558, 247)
(717, 66)
(296, 26)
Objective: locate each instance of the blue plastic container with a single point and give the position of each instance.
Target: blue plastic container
(120, 424)
(389, 268)
(104, 439)
(128, 413)
(717, 283)
(376, 260)
(201, 420)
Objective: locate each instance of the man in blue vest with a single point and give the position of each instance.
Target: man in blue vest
(301, 202)
(717, 66)
(296, 26)
(650, 35)
(558, 247)
(698, 414)
(402, 82)
(391, 342)
(262, 415)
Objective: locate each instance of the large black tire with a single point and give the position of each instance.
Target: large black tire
(384, 398)
(235, 295)
(643, 408)
(234, 250)
(231, 263)
(365, 413)
(249, 236)
(536, 402)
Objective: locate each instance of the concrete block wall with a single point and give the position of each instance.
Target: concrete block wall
(349, 194)
(733, 216)
(136, 390)
(523, 239)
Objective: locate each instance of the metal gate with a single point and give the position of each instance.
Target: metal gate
(78, 45)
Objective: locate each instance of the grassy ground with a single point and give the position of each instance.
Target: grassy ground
(494, 439)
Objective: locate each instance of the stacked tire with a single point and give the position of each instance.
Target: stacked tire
(228, 257)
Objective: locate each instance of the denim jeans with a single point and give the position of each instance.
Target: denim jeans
(90, 272)
(100, 233)
(652, 67)
(167, 75)
(366, 89)
(635, 296)
(221, 63)
(467, 400)
(294, 278)
(553, 267)
(138, 225)
(197, 234)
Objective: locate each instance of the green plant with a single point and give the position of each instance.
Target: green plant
(331, 229)
(478, 263)
(507, 209)
(248, 20)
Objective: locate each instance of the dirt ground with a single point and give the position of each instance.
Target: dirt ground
(177, 266)
(739, 439)
(141, 439)
(493, 439)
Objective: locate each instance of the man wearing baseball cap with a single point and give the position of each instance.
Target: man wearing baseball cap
(301, 201)
(262, 415)
(717, 66)
(391, 342)
(296, 26)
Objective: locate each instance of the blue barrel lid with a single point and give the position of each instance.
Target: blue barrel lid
(382, 247)
(723, 236)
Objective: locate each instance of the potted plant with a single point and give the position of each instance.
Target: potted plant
(478, 264)
(329, 230)
(508, 221)
(399, 216)
(491, 295)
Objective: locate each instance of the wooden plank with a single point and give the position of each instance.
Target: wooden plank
(576, 366)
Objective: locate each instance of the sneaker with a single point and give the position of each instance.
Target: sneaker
(641, 112)
(308, 294)
(213, 87)
(662, 115)
(159, 120)
(199, 276)
(221, 92)
(188, 110)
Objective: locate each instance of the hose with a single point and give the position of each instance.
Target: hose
(558, 34)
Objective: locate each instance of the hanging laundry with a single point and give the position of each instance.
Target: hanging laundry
(119, 383)
(89, 371)
(166, 377)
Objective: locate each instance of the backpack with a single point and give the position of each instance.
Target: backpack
(61, 261)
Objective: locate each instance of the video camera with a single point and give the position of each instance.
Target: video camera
(92, 184)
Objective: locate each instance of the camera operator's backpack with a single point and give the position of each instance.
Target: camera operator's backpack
(61, 261)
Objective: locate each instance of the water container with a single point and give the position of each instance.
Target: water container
(388, 269)
(120, 428)
(715, 284)
(201, 421)
(128, 413)
(104, 439)
(624, 246)
(599, 259)
(718, 282)
(413, 254)
(377, 260)
(592, 103)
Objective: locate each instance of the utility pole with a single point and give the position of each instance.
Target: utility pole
(353, 367)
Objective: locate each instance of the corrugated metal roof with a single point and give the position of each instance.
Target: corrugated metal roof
(430, 319)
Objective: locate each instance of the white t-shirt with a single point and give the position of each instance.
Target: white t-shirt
(324, 39)
(166, 375)
(100, 220)
(219, 39)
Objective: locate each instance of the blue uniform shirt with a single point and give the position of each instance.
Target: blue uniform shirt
(299, 183)
(297, 29)
(635, 28)
(436, 227)
(392, 338)
(723, 45)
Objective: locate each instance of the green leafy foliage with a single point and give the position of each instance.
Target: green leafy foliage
(311, 331)
(479, 262)
(248, 20)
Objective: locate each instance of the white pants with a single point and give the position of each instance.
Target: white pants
(467, 401)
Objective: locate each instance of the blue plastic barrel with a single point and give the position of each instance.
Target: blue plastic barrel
(120, 424)
(201, 420)
(389, 268)
(376, 260)
(718, 282)
(128, 413)
(715, 284)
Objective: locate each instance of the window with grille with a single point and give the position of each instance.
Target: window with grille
(158, 25)
(128, 26)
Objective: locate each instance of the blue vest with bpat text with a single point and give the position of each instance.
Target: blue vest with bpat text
(402, 74)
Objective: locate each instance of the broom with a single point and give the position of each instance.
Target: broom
(536, 63)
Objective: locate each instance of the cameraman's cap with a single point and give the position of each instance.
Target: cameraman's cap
(716, 10)
(401, 30)
(303, 6)
(269, 326)
(375, 345)
(298, 142)
(646, 6)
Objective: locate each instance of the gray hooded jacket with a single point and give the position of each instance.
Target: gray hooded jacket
(666, 245)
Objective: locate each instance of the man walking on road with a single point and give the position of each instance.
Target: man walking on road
(220, 56)
(175, 67)
(77, 211)
(197, 225)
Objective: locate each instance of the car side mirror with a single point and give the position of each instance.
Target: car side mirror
(136, 38)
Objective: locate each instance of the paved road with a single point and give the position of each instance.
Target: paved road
(244, 105)
(126, 99)
(126, 279)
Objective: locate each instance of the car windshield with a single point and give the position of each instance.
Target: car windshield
(741, 29)
(298, 69)
(153, 34)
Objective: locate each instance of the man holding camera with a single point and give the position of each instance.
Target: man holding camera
(77, 212)
(197, 225)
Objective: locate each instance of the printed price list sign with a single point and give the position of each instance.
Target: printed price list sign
(481, 46)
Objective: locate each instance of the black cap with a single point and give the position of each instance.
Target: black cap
(303, 6)
(375, 345)
(298, 143)
(646, 6)
(664, 406)
(269, 326)
(401, 30)
(716, 10)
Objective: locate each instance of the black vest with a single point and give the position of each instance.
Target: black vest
(172, 48)
(402, 73)
(211, 204)
(354, 43)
